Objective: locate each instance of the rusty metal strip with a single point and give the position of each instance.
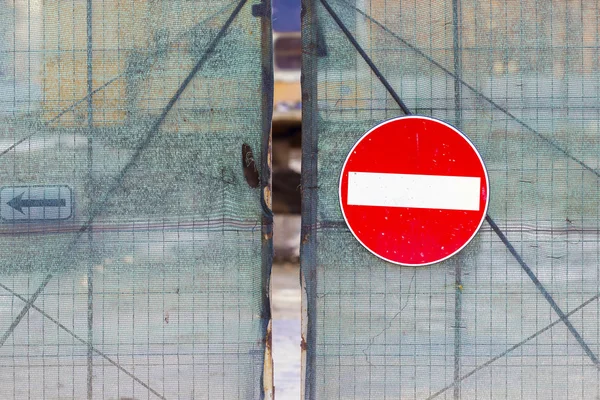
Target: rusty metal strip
(268, 386)
(263, 10)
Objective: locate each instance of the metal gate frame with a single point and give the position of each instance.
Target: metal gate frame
(309, 244)
(262, 11)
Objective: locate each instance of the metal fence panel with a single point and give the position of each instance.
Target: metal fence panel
(135, 192)
(515, 314)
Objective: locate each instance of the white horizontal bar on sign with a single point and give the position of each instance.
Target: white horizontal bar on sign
(414, 191)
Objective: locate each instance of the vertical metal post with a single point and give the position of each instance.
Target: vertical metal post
(457, 51)
(266, 187)
(308, 246)
(90, 271)
(456, 17)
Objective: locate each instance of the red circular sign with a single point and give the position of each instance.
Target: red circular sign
(414, 191)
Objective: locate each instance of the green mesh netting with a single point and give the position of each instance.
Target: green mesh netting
(515, 314)
(134, 235)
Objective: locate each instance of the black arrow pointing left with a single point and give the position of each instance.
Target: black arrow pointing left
(18, 203)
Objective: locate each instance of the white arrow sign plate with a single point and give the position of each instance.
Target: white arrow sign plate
(36, 203)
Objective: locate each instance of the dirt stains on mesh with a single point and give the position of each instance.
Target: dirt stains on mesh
(249, 166)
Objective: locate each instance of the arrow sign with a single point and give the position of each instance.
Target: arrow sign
(36, 203)
(18, 203)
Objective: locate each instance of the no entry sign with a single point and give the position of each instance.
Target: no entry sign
(414, 191)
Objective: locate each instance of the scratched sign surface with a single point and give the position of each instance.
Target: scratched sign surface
(133, 257)
(515, 315)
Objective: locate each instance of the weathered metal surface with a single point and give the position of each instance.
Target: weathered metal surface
(310, 197)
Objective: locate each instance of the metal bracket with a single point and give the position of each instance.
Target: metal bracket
(260, 10)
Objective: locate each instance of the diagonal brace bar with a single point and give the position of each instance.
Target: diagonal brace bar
(367, 59)
(83, 341)
(514, 347)
(543, 290)
(106, 84)
(482, 96)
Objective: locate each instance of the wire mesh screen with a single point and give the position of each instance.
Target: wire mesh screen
(515, 314)
(135, 235)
